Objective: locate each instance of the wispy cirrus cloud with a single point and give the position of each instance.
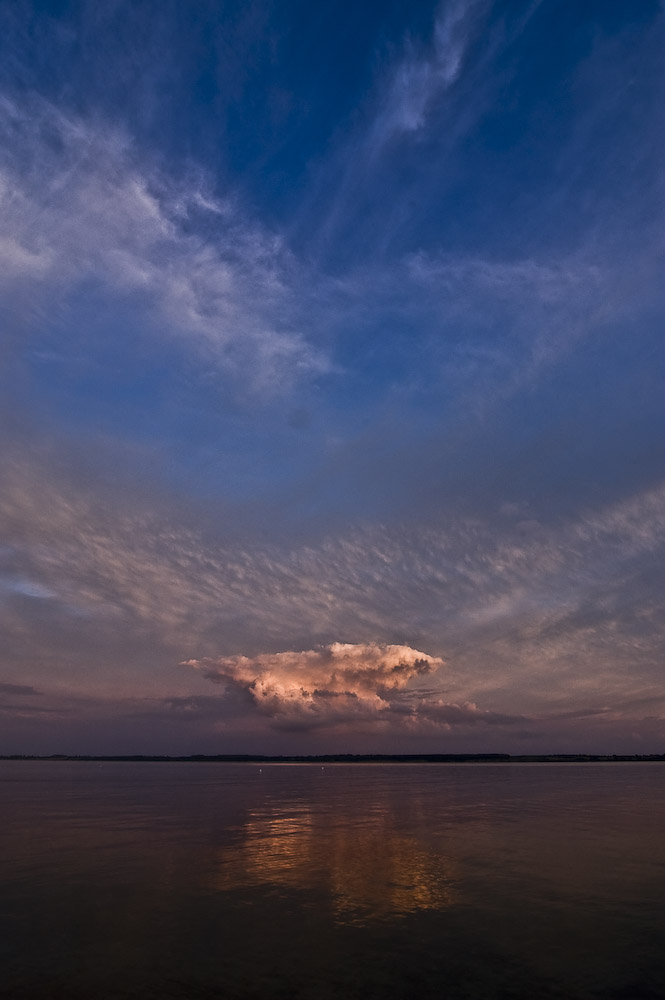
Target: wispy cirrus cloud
(80, 208)
(489, 327)
(419, 78)
(410, 85)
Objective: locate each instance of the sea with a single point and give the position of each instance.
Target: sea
(185, 881)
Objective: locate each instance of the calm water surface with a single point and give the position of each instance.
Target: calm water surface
(194, 881)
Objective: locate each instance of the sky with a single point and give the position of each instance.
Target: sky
(332, 377)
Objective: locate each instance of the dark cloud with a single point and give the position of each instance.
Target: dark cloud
(23, 711)
(18, 689)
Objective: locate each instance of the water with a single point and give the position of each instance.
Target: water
(193, 881)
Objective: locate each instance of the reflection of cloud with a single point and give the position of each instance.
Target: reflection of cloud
(369, 869)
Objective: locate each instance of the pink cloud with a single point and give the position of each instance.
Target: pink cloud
(338, 685)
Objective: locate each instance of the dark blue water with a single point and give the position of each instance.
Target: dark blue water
(194, 881)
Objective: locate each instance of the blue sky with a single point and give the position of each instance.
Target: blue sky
(332, 332)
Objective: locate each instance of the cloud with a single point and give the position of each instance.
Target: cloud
(81, 209)
(20, 690)
(417, 79)
(507, 322)
(322, 687)
(401, 108)
(531, 618)
(340, 684)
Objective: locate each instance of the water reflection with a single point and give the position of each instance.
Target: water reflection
(182, 881)
(367, 869)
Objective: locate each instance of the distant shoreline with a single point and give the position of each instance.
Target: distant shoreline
(343, 758)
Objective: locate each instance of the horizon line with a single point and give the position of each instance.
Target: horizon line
(342, 758)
